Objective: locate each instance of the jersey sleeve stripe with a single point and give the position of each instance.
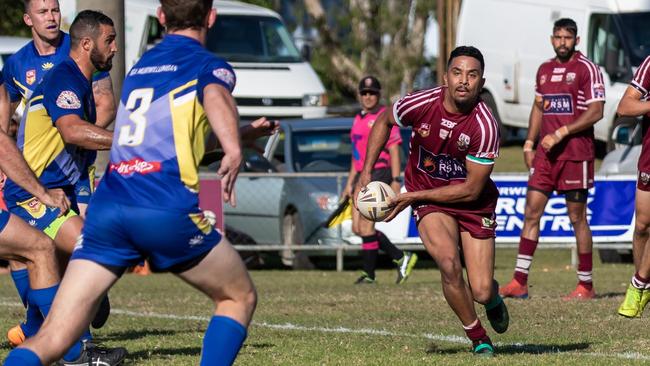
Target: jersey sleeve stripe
(642, 72)
(482, 161)
(494, 128)
(415, 106)
(395, 116)
(482, 126)
(638, 87)
(410, 99)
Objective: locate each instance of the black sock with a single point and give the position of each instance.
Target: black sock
(370, 252)
(388, 247)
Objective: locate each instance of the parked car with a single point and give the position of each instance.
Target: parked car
(622, 161)
(285, 199)
(625, 156)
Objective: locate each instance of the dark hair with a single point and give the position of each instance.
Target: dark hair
(184, 14)
(86, 24)
(469, 51)
(566, 23)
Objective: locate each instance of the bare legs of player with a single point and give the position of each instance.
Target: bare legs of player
(221, 275)
(440, 235)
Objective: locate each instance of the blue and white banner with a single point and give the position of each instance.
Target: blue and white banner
(610, 212)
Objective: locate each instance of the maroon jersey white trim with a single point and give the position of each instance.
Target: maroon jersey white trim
(641, 80)
(441, 144)
(566, 90)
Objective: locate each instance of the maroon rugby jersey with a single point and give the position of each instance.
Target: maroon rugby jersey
(441, 142)
(566, 89)
(641, 81)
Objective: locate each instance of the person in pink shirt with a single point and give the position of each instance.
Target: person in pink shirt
(387, 170)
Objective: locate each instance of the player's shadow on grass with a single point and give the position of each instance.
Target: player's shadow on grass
(534, 349)
(610, 294)
(538, 349)
(141, 333)
(187, 351)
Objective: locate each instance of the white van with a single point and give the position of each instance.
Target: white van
(273, 79)
(514, 37)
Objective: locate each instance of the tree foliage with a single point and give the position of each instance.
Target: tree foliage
(11, 19)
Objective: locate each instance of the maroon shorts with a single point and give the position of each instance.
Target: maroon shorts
(643, 181)
(480, 225)
(560, 175)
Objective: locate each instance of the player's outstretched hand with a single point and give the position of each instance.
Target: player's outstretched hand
(399, 203)
(56, 198)
(364, 179)
(228, 171)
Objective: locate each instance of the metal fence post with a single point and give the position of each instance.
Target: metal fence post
(339, 258)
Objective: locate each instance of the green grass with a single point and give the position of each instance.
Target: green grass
(511, 160)
(544, 329)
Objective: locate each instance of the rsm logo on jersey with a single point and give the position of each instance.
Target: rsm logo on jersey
(557, 104)
(442, 167)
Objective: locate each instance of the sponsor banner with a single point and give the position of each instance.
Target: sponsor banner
(610, 212)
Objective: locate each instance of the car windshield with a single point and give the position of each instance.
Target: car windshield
(322, 151)
(637, 33)
(252, 39)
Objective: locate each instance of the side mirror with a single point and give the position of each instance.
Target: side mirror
(621, 134)
(614, 69)
(305, 52)
(257, 164)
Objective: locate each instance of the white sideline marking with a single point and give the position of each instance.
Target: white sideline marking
(435, 337)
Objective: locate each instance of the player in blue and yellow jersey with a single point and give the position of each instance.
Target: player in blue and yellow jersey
(55, 124)
(146, 206)
(23, 243)
(23, 72)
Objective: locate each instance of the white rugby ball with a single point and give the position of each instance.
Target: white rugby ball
(374, 199)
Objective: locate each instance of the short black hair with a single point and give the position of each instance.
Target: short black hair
(469, 51)
(566, 23)
(87, 24)
(185, 14)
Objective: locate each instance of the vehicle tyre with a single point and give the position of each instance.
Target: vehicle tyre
(615, 256)
(504, 131)
(292, 233)
(252, 260)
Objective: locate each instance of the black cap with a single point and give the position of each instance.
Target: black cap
(369, 83)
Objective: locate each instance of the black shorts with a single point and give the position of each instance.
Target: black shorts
(382, 174)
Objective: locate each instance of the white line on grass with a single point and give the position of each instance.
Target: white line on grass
(536, 349)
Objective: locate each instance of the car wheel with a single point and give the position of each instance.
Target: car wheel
(292, 233)
(504, 131)
(252, 260)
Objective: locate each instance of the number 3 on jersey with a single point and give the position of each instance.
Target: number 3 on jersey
(134, 135)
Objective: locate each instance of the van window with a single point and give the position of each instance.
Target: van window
(606, 48)
(636, 34)
(251, 39)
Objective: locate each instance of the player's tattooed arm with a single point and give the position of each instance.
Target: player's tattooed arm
(631, 104)
(221, 111)
(104, 102)
(78, 132)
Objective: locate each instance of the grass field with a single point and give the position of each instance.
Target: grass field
(320, 318)
(511, 159)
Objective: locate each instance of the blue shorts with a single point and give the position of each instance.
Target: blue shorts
(119, 235)
(85, 186)
(4, 219)
(36, 214)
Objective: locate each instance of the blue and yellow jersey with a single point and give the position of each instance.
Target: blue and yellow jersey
(161, 126)
(64, 91)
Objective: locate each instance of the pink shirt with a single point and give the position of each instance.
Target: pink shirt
(359, 137)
